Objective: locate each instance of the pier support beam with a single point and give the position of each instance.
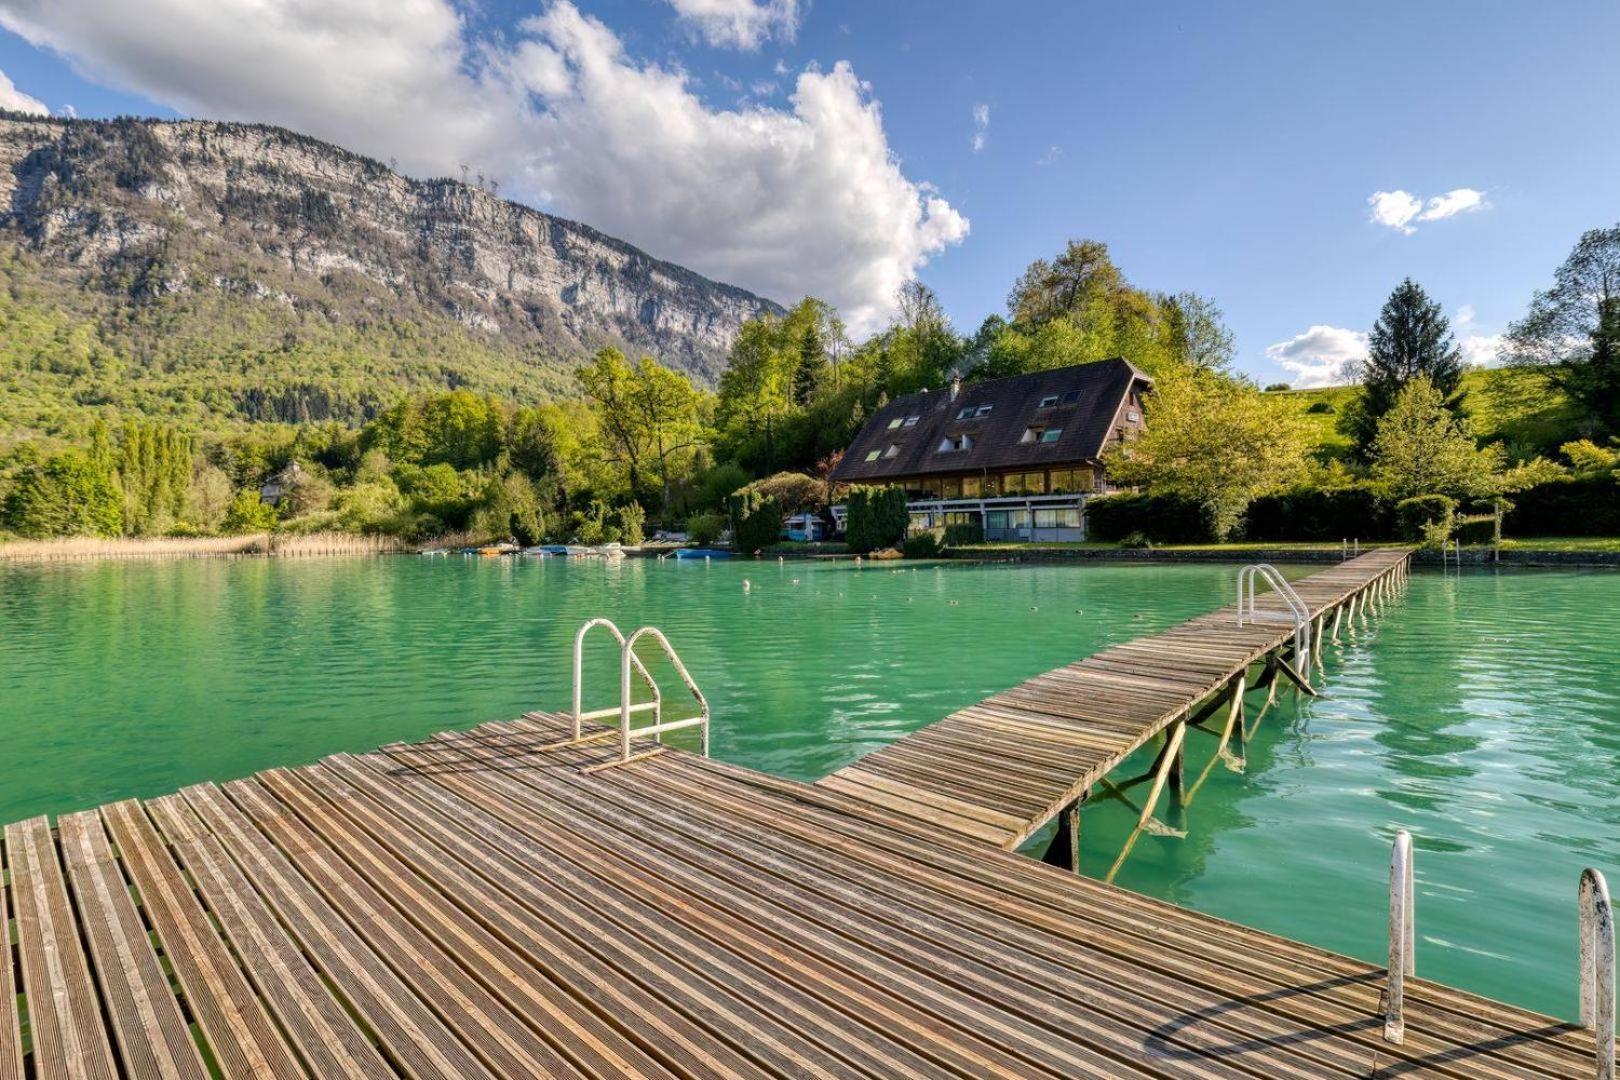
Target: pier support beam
(1064, 850)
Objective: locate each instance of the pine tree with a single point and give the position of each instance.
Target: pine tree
(812, 368)
(1595, 382)
(1411, 338)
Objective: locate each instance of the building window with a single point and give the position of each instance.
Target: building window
(896, 422)
(911, 421)
(1063, 518)
(968, 412)
(1048, 401)
(1052, 434)
(952, 443)
(874, 455)
(892, 451)
(1042, 435)
(950, 488)
(1133, 416)
(1071, 397)
(992, 486)
(971, 488)
(1034, 483)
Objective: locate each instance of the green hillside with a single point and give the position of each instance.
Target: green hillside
(1518, 407)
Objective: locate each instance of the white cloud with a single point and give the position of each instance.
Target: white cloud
(1398, 209)
(741, 24)
(803, 198)
(1478, 350)
(17, 101)
(1395, 209)
(1456, 201)
(1321, 356)
(981, 126)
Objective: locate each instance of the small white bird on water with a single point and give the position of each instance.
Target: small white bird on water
(747, 585)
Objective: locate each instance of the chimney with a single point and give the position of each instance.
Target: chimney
(956, 383)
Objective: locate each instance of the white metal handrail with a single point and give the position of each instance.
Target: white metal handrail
(1298, 614)
(655, 705)
(1402, 937)
(659, 726)
(1597, 967)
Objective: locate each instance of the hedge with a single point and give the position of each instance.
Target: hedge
(1422, 515)
(966, 532)
(1566, 508)
(1161, 518)
(878, 518)
(1312, 514)
(756, 522)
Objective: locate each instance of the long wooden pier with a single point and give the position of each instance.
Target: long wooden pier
(485, 903)
(1000, 770)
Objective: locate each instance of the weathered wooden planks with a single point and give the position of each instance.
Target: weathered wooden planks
(1000, 770)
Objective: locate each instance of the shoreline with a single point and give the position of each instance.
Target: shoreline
(249, 545)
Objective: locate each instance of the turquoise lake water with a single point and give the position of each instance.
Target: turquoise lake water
(1482, 712)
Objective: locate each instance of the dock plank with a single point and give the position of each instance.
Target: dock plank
(152, 1035)
(64, 1012)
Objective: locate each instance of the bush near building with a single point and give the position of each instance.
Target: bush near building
(878, 518)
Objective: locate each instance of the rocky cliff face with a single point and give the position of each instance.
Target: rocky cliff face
(271, 219)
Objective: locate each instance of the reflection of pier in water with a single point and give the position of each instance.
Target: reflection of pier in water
(509, 901)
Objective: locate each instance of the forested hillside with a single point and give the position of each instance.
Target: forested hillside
(216, 274)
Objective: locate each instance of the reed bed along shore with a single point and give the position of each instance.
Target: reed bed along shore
(286, 545)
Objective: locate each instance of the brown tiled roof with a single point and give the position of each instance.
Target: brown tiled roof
(998, 436)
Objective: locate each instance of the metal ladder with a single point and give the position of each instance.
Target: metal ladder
(1596, 954)
(1298, 614)
(629, 662)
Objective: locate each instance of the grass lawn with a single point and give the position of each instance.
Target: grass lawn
(1103, 545)
(1559, 543)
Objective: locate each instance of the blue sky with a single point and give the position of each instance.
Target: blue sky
(1228, 148)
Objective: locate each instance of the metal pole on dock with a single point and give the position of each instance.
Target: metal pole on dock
(1597, 967)
(1402, 959)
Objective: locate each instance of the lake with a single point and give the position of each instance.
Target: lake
(1481, 712)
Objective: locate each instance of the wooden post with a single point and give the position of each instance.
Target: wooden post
(1064, 850)
(1338, 617)
(1178, 775)
(1178, 733)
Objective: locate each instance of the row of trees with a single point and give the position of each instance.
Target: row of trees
(641, 441)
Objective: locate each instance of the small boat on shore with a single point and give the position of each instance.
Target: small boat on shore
(492, 550)
(702, 553)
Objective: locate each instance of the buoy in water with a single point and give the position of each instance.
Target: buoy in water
(747, 585)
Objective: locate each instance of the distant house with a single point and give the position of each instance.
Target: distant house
(1018, 455)
(281, 483)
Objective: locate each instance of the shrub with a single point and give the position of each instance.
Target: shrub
(965, 533)
(1320, 514)
(705, 529)
(756, 521)
(630, 519)
(1581, 507)
(927, 544)
(794, 491)
(1321, 407)
(1165, 519)
(1137, 542)
(878, 518)
(249, 513)
(1429, 518)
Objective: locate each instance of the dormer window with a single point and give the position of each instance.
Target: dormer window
(1042, 435)
(1071, 397)
(970, 412)
(911, 421)
(1048, 401)
(952, 443)
(892, 451)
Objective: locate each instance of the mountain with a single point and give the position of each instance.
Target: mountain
(220, 273)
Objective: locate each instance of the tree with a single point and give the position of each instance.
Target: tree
(69, 495)
(1411, 339)
(1421, 448)
(248, 513)
(1081, 276)
(1215, 441)
(669, 411)
(812, 369)
(1575, 328)
(610, 383)
(1197, 335)
(755, 392)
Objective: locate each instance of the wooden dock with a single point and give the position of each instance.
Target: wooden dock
(485, 903)
(1000, 770)
(474, 906)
